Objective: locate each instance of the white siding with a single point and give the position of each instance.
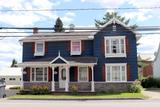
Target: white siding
(156, 65)
(17, 80)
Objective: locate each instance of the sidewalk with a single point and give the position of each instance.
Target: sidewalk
(152, 94)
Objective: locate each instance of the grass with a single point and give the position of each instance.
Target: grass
(98, 96)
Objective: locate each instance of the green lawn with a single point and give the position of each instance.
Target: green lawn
(98, 96)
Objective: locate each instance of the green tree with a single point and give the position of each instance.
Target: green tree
(14, 63)
(58, 27)
(108, 16)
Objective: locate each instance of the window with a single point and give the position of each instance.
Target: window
(39, 74)
(39, 49)
(116, 73)
(63, 74)
(75, 47)
(115, 46)
(12, 79)
(83, 74)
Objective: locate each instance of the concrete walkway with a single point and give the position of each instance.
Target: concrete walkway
(152, 94)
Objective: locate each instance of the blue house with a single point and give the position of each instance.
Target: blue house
(105, 60)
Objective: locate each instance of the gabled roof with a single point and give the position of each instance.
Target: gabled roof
(115, 20)
(59, 57)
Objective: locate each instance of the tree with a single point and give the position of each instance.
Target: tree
(58, 27)
(14, 63)
(108, 16)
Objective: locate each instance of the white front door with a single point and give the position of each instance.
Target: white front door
(62, 77)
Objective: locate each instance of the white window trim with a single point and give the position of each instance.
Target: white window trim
(76, 53)
(114, 54)
(39, 53)
(116, 64)
(35, 74)
(87, 74)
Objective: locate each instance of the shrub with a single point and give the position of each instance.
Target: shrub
(74, 89)
(150, 83)
(40, 89)
(135, 87)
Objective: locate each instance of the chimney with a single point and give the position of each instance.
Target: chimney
(71, 27)
(35, 30)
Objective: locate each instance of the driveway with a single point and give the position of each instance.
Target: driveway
(152, 93)
(10, 92)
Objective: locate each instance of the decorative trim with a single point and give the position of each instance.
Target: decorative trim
(59, 57)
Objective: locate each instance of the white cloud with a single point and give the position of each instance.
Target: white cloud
(149, 43)
(107, 3)
(10, 48)
(20, 18)
(68, 17)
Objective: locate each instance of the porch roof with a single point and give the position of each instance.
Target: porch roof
(70, 60)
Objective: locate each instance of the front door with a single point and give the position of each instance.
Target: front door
(62, 77)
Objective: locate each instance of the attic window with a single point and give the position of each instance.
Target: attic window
(114, 28)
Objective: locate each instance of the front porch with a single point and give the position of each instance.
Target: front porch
(66, 78)
(61, 74)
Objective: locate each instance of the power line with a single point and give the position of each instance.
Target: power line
(83, 9)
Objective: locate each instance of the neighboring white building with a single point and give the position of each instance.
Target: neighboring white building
(156, 64)
(11, 76)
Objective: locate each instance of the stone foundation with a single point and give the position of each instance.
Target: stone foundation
(82, 86)
(85, 86)
(29, 85)
(111, 87)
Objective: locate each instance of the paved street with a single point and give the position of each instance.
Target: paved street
(83, 103)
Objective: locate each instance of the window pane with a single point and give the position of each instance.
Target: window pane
(63, 74)
(39, 74)
(115, 73)
(107, 46)
(83, 74)
(115, 45)
(76, 46)
(122, 45)
(108, 74)
(39, 47)
(123, 73)
(45, 74)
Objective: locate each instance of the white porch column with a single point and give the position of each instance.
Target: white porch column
(67, 79)
(92, 82)
(53, 82)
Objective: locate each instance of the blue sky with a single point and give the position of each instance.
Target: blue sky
(11, 48)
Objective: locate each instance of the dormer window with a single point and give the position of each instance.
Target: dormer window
(76, 47)
(39, 49)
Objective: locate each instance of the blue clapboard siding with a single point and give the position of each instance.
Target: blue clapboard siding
(91, 48)
(54, 48)
(131, 57)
